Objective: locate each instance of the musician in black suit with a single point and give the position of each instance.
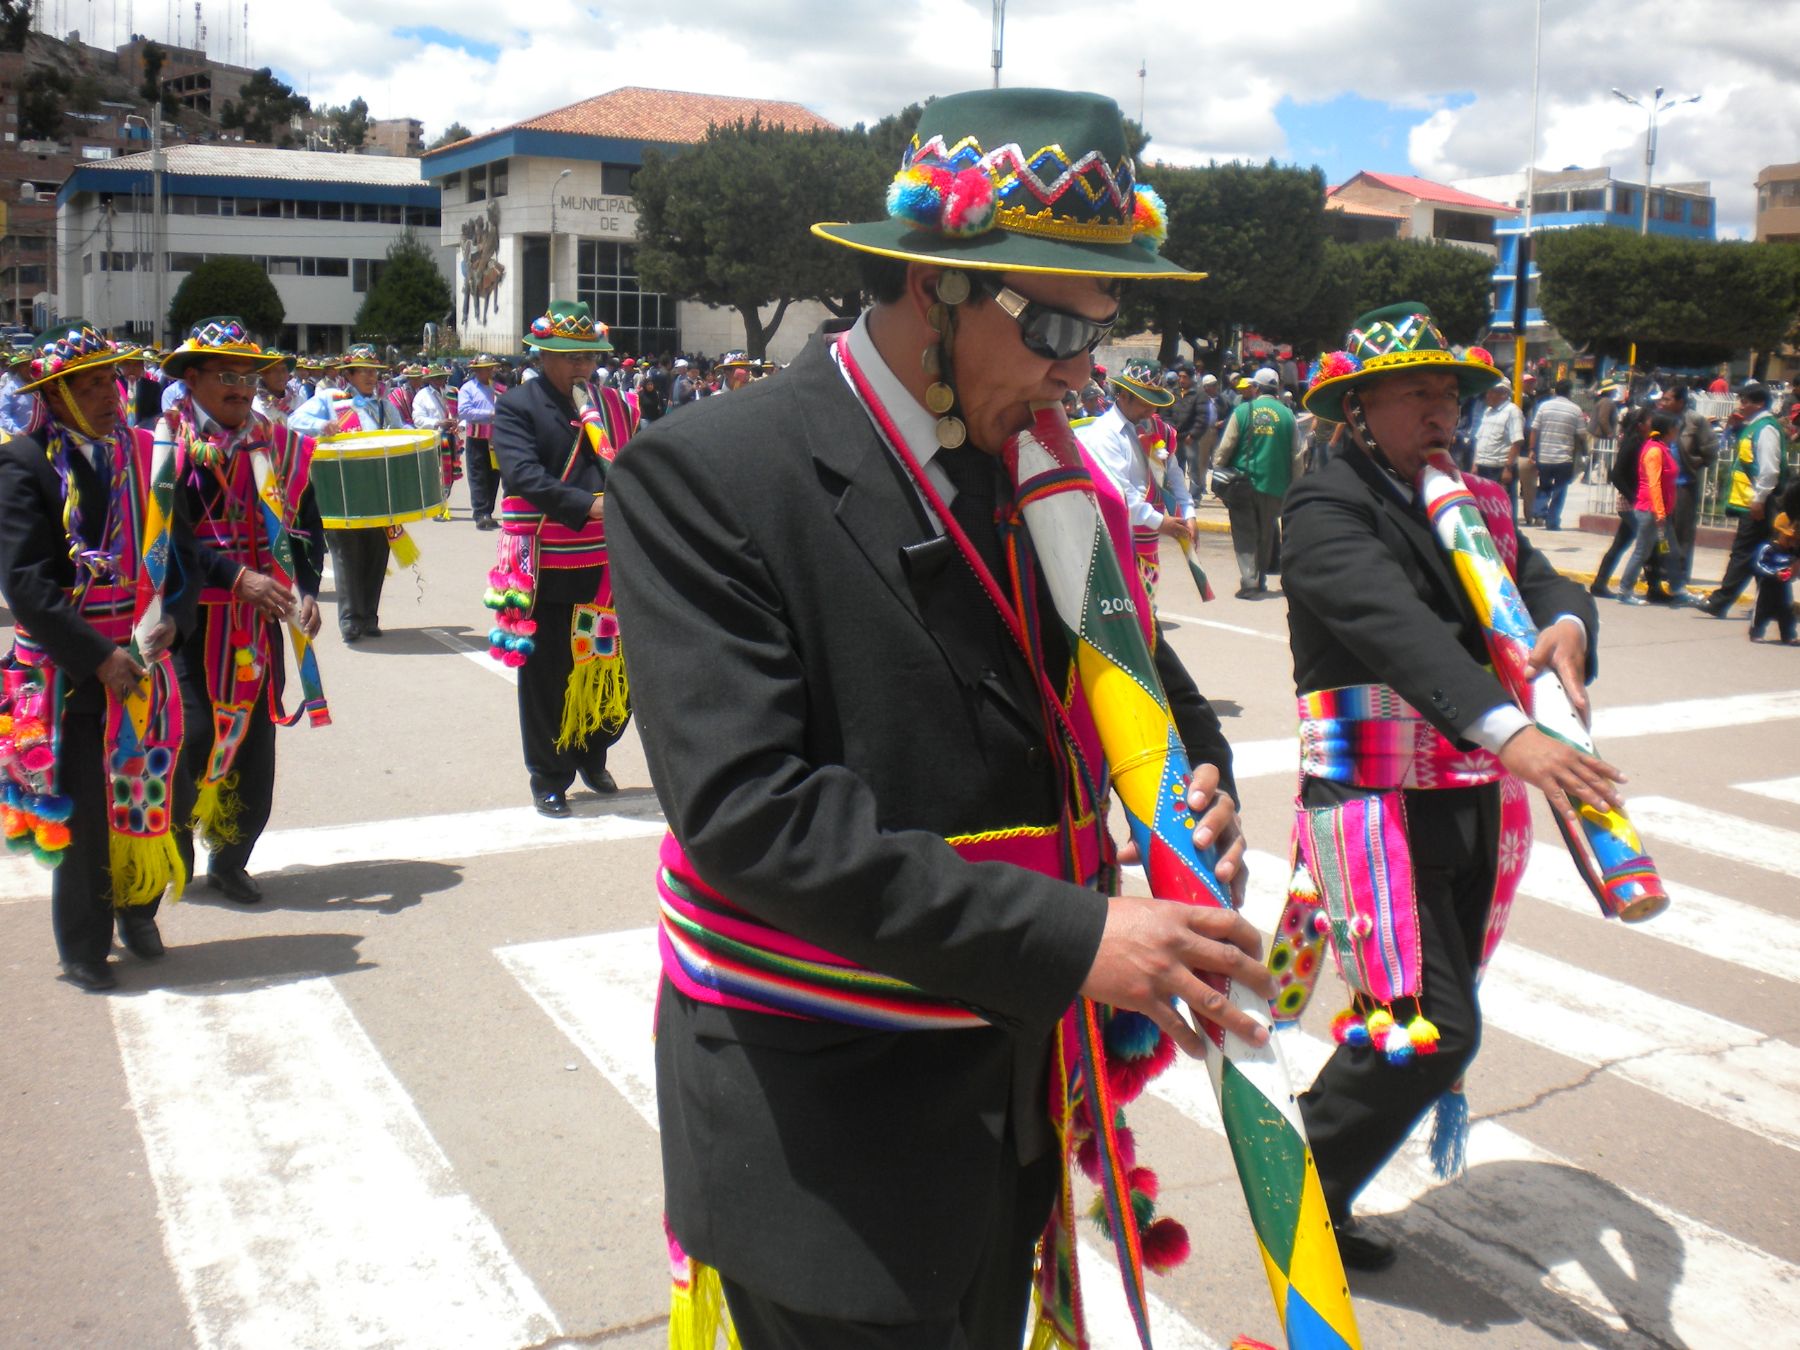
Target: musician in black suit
(79, 635)
(550, 460)
(828, 697)
(1373, 600)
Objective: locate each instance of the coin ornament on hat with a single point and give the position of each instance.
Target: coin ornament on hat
(1389, 341)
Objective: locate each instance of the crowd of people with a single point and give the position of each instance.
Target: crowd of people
(904, 1000)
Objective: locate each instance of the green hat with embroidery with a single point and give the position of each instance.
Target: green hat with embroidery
(1144, 379)
(362, 356)
(1389, 341)
(567, 326)
(1020, 180)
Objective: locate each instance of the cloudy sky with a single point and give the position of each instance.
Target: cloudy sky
(1428, 87)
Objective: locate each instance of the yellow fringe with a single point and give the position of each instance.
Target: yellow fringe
(405, 552)
(1045, 1336)
(597, 698)
(216, 812)
(142, 869)
(698, 1313)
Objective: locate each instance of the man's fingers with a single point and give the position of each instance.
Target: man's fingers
(1181, 1031)
(1217, 1008)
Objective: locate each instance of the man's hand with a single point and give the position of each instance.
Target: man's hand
(309, 616)
(1154, 952)
(1176, 528)
(264, 594)
(120, 674)
(1562, 647)
(1758, 509)
(1218, 828)
(1562, 772)
(161, 638)
(598, 510)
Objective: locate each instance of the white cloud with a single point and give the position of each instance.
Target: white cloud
(1212, 89)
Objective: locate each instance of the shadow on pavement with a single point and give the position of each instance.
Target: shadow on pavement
(386, 886)
(1571, 1219)
(398, 641)
(242, 963)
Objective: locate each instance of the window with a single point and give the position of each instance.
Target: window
(185, 262)
(289, 209)
(284, 267)
(87, 264)
(606, 277)
(1626, 201)
(331, 210)
(391, 215)
(1549, 203)
(423, 217)
(206, 206)
(1672, 206)
(306, 210)
(451, 182)
(181, 206)
(96, 152)
(616, 179)
(365, 272)
(334, 267)
(478, 184)
(1701, 214)
(1588, 199)
(497, 179)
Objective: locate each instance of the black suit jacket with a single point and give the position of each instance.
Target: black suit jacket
(821, 704)
(534, 431)
(1372, 599)
(35, 570)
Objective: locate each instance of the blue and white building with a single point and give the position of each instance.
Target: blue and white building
(319, 224)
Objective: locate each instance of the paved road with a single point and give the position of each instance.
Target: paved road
(405, 1101)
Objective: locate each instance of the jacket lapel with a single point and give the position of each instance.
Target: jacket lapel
(1412, 523)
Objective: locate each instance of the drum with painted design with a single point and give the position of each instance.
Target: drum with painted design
(370, 479)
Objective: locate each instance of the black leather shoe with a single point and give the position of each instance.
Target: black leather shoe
(94, 976)
(486, 523)
(139, 934)
(1363, 1250)
(1247, 592)
(602, 781)
(234, 883)
(353, 633)
(552, 804)
(1600, 591)
(372, 630)
(1656, 595)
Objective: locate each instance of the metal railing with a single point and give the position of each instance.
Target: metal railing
(1592, 493)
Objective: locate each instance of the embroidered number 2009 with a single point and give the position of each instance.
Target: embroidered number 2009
(1124, 605)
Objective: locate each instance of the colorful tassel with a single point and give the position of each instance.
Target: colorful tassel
(1166, 1245)
(400, 543)
(1149, 218)
(1423, 1034)
(1346, 1024)
(1450, 1134)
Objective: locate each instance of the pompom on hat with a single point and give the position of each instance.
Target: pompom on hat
(567, 326)
(1020, 180)
(1144, 379)
(70, 347)
(1390, 341)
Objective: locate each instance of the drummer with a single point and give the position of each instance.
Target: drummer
(358, 556)
(431, 413)
(232, 666)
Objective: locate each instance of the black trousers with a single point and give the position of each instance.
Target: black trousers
(254, 764)
(1774, 604)
(81, 908)
(484, 478)
(1616, 551)
(1740, 566)
(359, 561)
(542, 682)
(991, 1315)
(1361, 1108)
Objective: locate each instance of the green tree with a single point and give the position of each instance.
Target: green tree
(42, 98)
(453, 133)
(1257, 231)
(265, 109)
(1453, 283)
(15, 24)
(349, 124)
(1683, 301)
(409, 293)
(228, 285)
(727, 221)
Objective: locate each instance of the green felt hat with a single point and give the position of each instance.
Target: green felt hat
(1389, 341)
(1144, 379)
(1020, 180)
(362, 356)
(567, 327)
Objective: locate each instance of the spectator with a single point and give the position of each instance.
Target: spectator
(1624, 480)
(1757, 466)
(1655, 503)
(1499, 440)
(1262, 440)
(1558, 432)
(1775, 572)
(1696, 450)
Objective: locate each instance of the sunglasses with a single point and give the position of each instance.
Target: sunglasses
(1052, 333)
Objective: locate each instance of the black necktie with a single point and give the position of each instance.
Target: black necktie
(976, 477)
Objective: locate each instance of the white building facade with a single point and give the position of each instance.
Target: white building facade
(544, 209)
(319, 224)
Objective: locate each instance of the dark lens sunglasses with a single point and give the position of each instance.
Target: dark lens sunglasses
(1054, 334)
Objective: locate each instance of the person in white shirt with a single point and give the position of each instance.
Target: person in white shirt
(1113, 443)
(1499, 440)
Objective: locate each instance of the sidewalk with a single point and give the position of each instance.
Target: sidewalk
(1575, 553)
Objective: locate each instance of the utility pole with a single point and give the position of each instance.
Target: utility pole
(553, 187)
(1522, 254)
(1653, 105)
(999, 37)
(1143, 79)
(157, 258)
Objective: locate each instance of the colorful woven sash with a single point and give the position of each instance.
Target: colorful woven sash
(1367, 736)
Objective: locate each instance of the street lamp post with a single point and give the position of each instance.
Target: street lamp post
(999, 37)
(558, 183)
(1653, 105)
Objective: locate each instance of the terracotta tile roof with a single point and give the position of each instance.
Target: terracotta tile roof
(1427, 191)
(668, 115)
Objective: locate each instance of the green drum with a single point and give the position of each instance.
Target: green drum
(378, 479)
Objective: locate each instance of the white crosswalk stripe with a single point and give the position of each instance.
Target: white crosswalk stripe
(304, 1201)
(1731, 838)
(479, 655)
(1780, 789)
